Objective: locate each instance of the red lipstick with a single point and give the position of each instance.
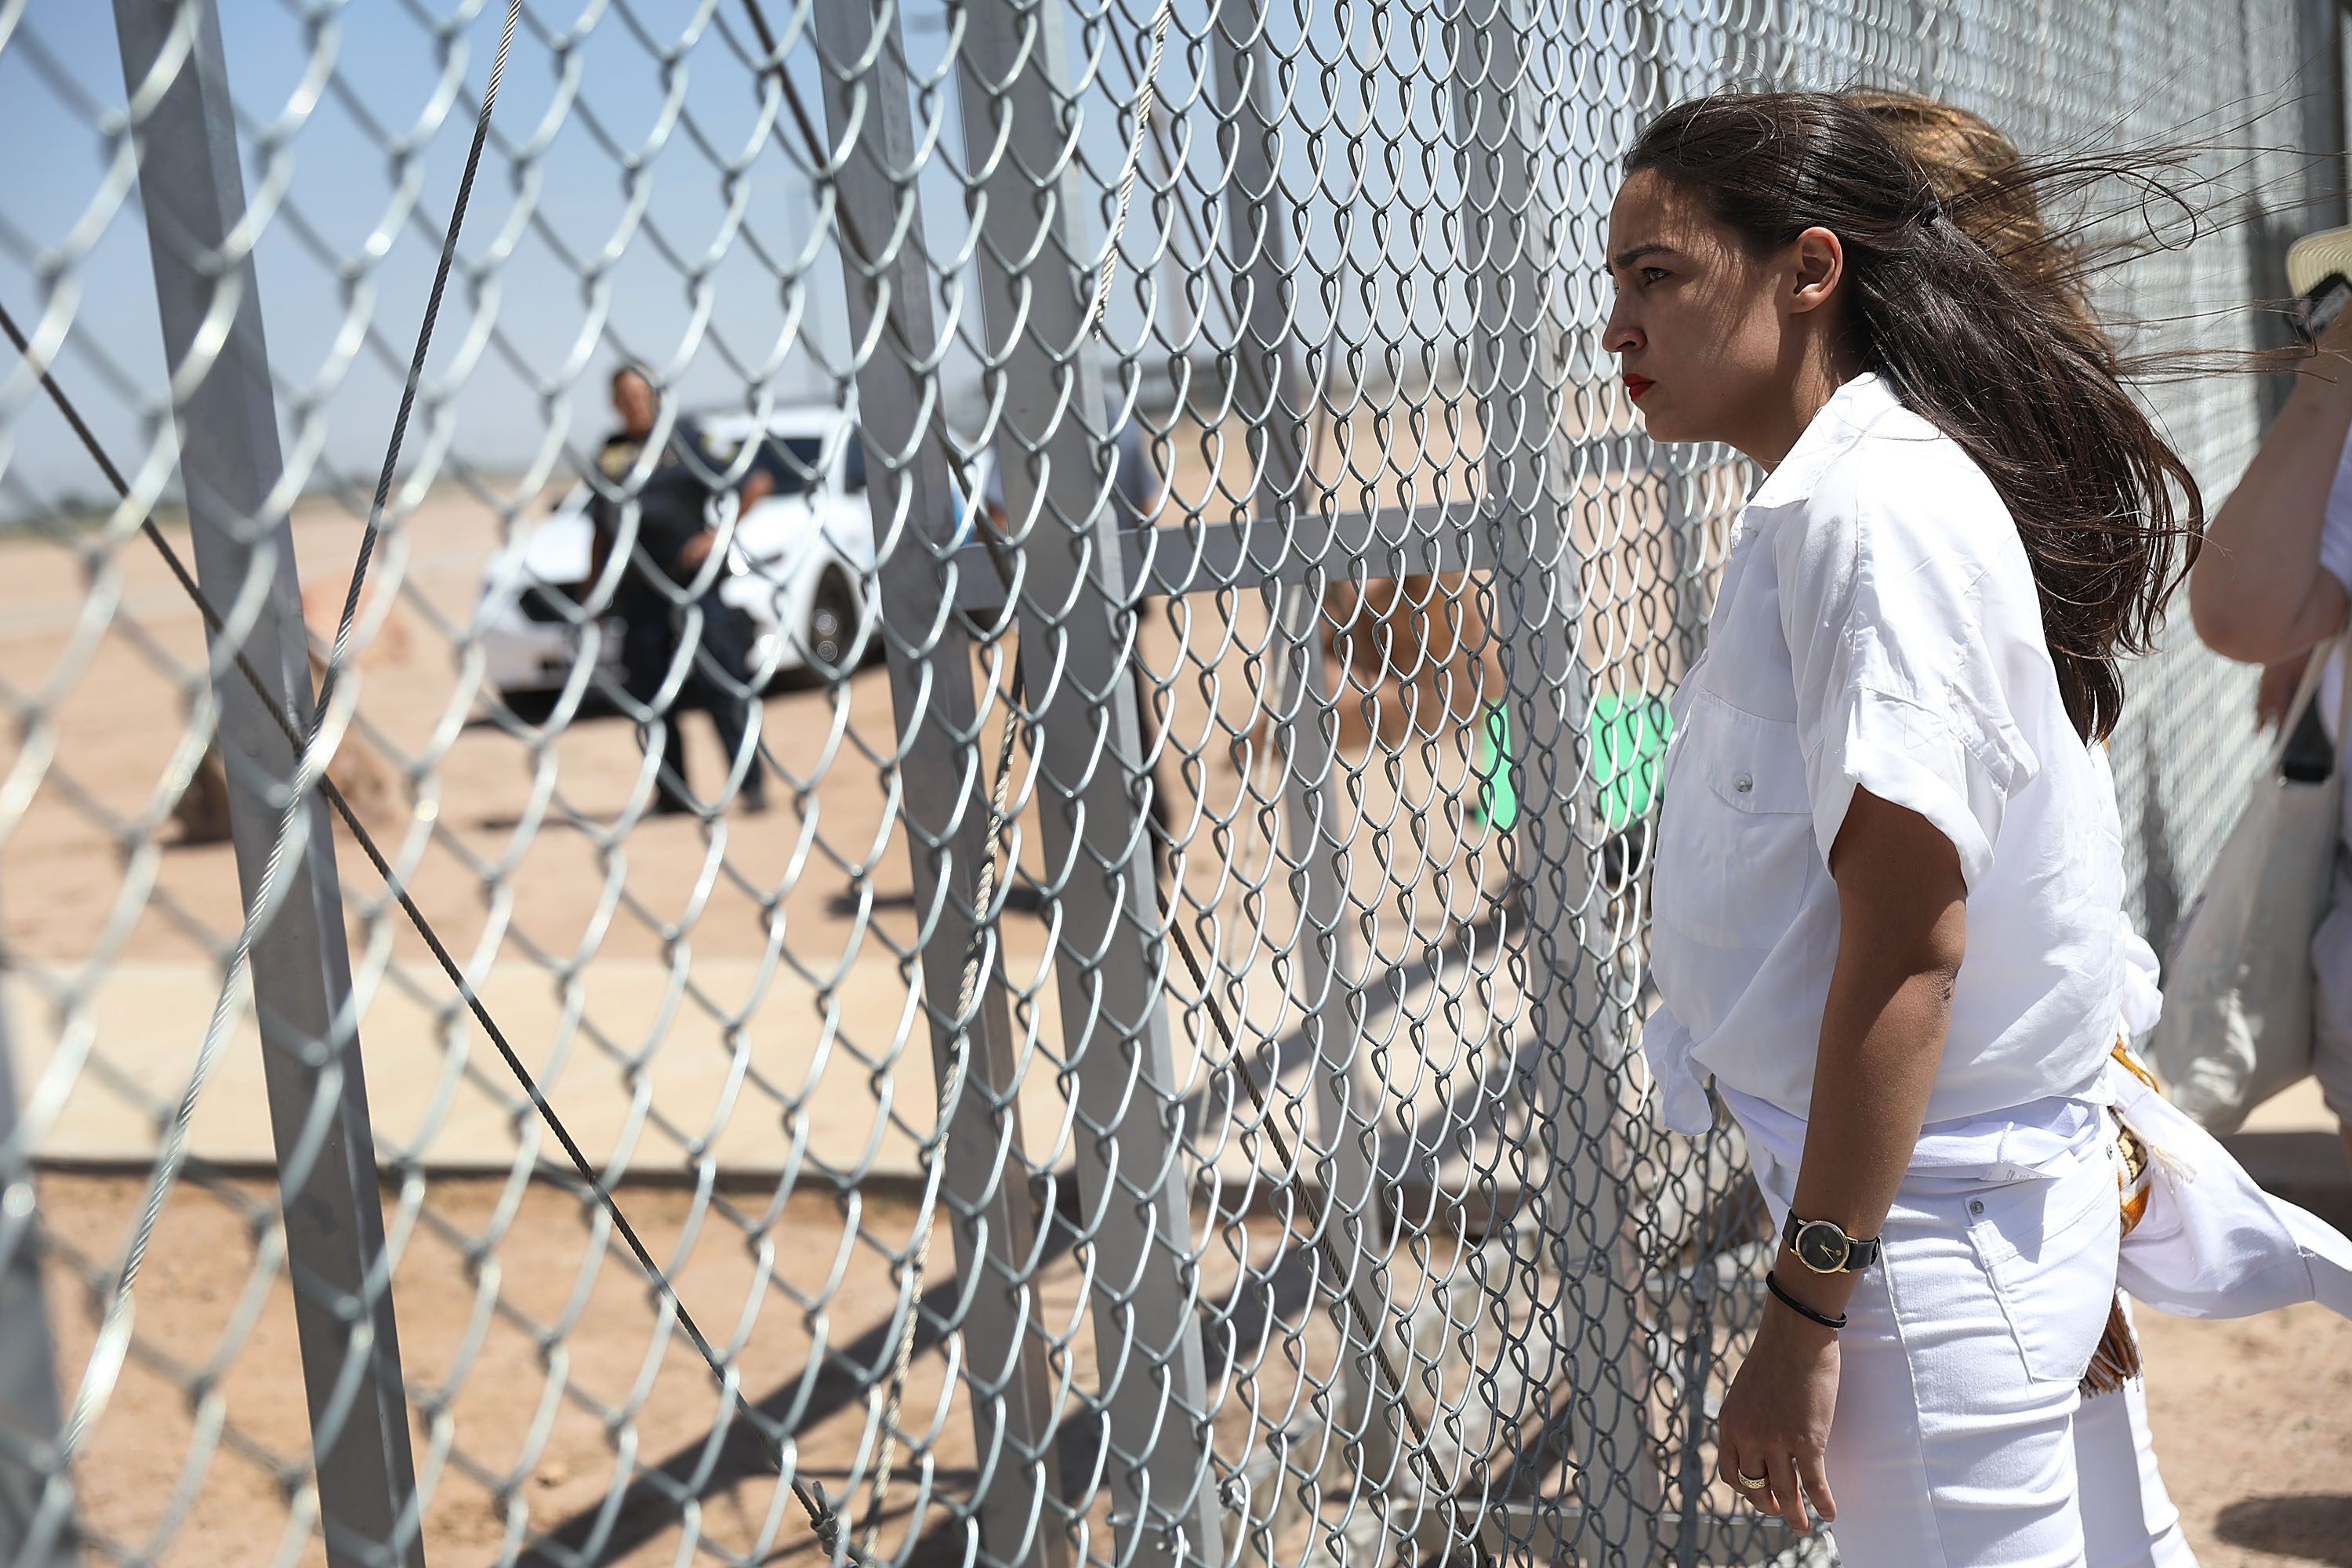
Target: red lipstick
(1637, 384)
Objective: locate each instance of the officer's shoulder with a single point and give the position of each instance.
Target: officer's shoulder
(617, 454)
(719, 450)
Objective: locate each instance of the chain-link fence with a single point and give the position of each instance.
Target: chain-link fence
(1116, 1038)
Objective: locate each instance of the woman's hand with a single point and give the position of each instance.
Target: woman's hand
(2276, 689)
(1776, 1418)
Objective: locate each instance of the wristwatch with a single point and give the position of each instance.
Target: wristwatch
(1824, 1249)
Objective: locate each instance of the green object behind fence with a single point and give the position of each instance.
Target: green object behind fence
(1498, 795)
(1629, 747)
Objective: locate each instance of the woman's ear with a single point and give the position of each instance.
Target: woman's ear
(1819, 258)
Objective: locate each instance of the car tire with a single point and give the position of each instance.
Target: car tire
(835, 618)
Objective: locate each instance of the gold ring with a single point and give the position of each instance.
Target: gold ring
(1751, 1482)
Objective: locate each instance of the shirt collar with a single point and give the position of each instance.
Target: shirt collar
(1843, 420)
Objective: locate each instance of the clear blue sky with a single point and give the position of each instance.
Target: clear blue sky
(1352, 153)
(60, 80)
(341, 183)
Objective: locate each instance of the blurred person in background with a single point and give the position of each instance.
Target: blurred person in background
(1989, 192)
(673, 544)
(2269, 588)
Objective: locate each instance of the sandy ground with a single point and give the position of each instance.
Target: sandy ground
(530, 1347)
(786, 933)
(528, 1424)
(2253, 1424)
(803, 914)
(527, 1412)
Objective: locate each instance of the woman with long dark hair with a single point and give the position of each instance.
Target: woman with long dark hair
(1986, 186)
(1889, 886)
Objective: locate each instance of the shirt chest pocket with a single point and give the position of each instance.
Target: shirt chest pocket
(1736, 856)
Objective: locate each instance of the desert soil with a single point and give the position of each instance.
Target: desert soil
(532, 1407)
(530, 1347)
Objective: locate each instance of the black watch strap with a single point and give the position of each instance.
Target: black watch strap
(1820, 1246)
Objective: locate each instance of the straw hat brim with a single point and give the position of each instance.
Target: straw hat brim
(2311, 258)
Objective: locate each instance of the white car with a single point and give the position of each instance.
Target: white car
(801, 566)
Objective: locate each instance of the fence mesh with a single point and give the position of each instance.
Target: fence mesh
(1121, 1023)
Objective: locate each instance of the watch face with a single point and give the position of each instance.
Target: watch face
(1822, 1247)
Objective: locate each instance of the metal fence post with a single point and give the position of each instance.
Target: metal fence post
(2319, 53)
(1517, 365)
(943, 790)
(1076, 607)
(1275, 409)
(194, 194)
(36, 1490)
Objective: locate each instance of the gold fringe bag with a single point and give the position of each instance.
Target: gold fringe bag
(2116, 1360)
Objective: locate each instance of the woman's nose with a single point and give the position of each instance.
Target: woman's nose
(1620, 335)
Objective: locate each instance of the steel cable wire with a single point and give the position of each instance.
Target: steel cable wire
(341, 647)
(1145, 93)
(304, 739)
(822, 1516)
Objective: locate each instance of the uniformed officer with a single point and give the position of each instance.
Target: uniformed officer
(673, 539)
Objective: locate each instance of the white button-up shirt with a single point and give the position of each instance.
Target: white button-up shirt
(1877, 625)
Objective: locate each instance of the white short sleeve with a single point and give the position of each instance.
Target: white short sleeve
(2335, 530)
(1899, 603)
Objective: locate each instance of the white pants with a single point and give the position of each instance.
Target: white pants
(2128, 1519)
(1960, 1439)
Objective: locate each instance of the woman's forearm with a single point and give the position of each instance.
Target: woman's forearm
(2256, 593)
(1880, 1049)
(1903, 913)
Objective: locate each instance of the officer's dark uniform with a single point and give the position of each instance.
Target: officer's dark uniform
(672, 508)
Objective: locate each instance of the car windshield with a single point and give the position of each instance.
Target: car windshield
(794, 461)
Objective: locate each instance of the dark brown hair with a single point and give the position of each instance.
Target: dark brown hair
(1975, 318)
(1986, 187)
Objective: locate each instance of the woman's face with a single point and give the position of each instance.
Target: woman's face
(1715, 343)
